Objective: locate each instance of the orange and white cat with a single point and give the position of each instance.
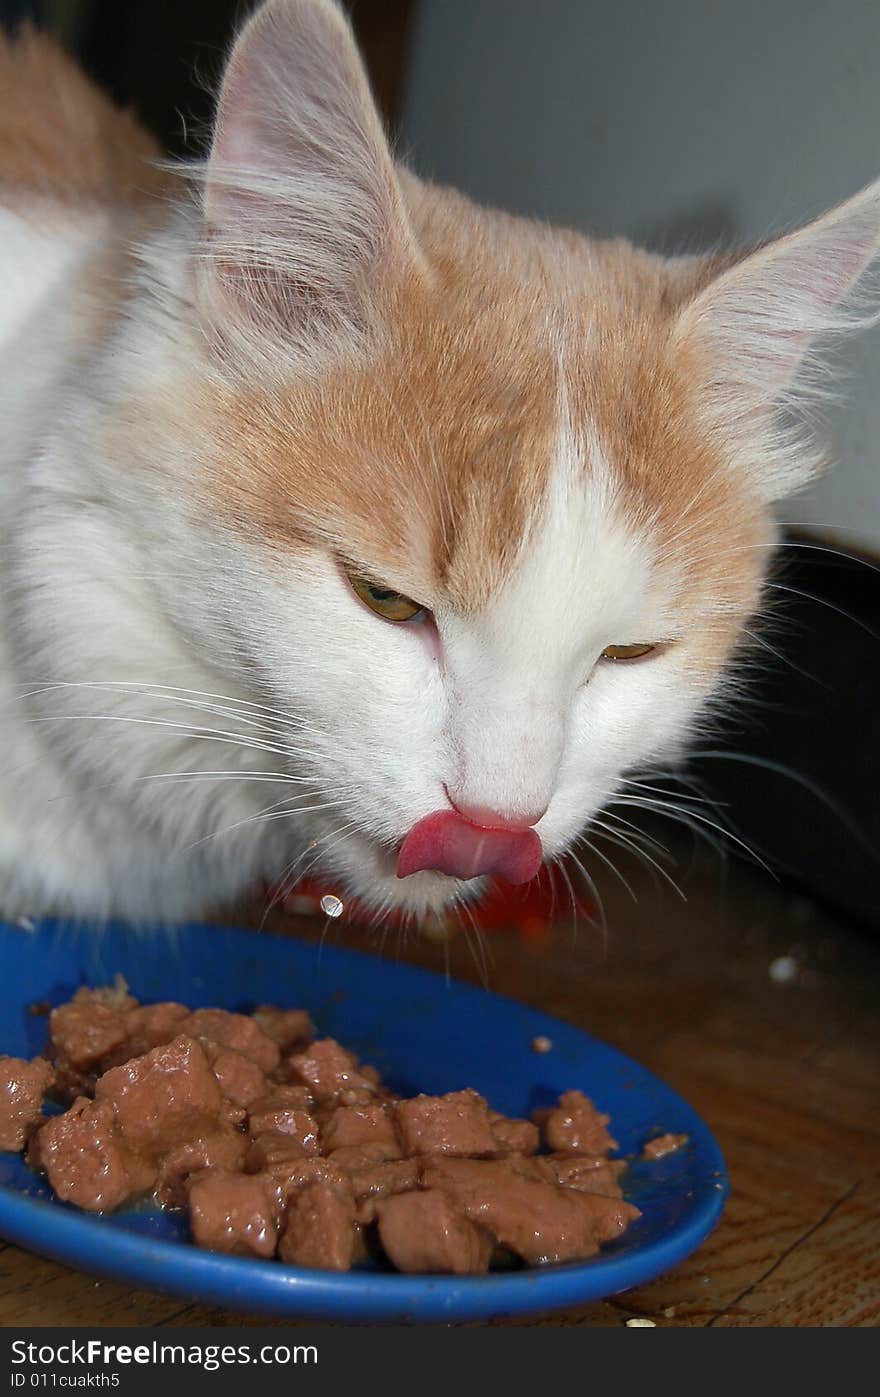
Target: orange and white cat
(345, 524)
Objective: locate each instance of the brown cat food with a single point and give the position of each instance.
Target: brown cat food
(278, 1143)
(662, 1145)
(22, 1088)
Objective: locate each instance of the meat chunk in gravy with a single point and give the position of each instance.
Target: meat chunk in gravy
(426, 1231)
(223, 1148)
(233, 1213)
(284, 1111)
(241, 1080)
(237, 1031)
(289, 1028)
(23, 1085)
(575, 1126)
(163, 1098)
(662, 1145)
(537, 1221)
(321, 1229)
(357, 1127)
(87, 1160)
(332, 1074)
(455, 1124)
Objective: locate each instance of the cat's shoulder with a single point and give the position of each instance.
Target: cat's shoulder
(60, 137)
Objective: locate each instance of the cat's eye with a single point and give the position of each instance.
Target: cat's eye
(390, 605)
(626, 652)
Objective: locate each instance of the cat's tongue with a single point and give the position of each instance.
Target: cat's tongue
(448, 843)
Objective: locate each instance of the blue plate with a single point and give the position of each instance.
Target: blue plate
(424, 1034)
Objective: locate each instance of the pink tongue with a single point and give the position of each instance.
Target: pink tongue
(448, 843)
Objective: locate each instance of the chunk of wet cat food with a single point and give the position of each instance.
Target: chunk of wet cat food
(574, 1126)
(23, 1085)
(84, 1031)
(426, 1232)
(241, 1080)
(591, 1173)
(321, 1231)
(537, 1221)
(87, 1161)
(282, 1112)
(353, 1126)
(147, 1027)
(163, 1098)
(233, 1213)
(352, 1158)
(224, 1148)
(289, 1028)
(662, 1145)
(288, 1173)
(237, 1031)
(273, 1148)
(455, 1124)
(332, 1074)
(370, 1185)
(519, 1136)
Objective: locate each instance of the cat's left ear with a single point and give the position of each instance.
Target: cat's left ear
(754, 335)
(302, 208)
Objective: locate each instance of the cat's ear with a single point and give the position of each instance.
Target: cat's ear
(301, 204)
(757, 332)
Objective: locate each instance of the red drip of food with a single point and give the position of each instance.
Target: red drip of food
(446, 842)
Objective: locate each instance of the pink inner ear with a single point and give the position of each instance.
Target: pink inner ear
(448, 843)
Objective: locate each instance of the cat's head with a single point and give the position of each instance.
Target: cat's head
(491, 501)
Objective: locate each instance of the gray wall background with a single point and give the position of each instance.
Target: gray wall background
(678, 123)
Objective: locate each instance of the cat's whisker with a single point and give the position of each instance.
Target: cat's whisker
(221, 705)
(686, 817)
(596, 895)
(780, 769)
(190, 731)
(609, 863)
(265, 816)
(645, 786)
(478, 945)
(783, 658)
(823, 601)
(645, 858)
(552, 868)
(622, 842)
(637, 832)
(833, 552)
(558, 863)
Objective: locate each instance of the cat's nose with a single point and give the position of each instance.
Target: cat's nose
(492, 819)
(448, 842)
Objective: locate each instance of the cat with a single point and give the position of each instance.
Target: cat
(347, 526)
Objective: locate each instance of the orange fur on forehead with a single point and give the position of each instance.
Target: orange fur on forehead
(430, 464)
(426, 465)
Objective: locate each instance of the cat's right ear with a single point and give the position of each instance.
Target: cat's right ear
(303, 214)
(755, 336)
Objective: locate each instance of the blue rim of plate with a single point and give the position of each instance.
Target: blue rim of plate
(400, 1017)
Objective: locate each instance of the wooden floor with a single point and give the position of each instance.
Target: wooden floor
(785, 1067)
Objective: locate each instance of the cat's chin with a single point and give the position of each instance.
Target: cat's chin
(368, 871)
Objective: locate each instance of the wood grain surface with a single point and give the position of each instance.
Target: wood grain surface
(786, 1072)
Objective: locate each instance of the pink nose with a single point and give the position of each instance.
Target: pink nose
(448, 843)
(490, 819)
